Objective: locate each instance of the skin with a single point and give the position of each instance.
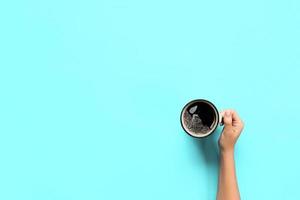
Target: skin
(227, 185)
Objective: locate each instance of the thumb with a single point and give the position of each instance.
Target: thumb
(227, 118)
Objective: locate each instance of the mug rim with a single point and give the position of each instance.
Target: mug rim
(200, 100)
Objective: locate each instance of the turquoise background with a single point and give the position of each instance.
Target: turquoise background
(91, 93)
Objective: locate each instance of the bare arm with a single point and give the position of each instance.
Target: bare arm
(227, 186)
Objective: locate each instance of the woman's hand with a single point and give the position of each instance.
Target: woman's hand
(233, 126)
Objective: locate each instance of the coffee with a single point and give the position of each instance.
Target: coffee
(199, 117)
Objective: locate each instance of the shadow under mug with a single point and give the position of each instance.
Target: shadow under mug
(200, 118)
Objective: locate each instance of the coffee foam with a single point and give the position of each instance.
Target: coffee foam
(199, 118)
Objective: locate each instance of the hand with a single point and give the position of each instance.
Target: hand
(233, 126)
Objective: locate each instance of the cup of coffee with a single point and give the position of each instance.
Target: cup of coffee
(200, 118)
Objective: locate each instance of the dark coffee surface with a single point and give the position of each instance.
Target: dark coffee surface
(199, 118)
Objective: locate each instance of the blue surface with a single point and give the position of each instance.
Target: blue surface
(91, 93)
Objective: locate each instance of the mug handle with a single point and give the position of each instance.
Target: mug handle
(221, 116)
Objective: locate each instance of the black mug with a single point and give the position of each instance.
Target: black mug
(200, 118)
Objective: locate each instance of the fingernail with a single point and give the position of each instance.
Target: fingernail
(227, 113)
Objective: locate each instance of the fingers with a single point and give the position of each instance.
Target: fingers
(234, 119)
(227, 119)
(235, 116)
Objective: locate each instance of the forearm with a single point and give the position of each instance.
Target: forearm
(227, 187)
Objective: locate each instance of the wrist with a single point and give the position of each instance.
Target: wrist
(227, 152)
